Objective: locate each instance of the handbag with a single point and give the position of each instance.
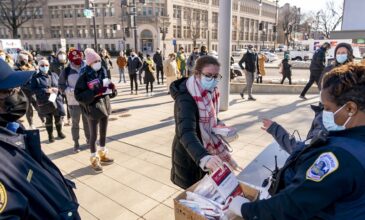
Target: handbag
(47, 108)
(97, 110)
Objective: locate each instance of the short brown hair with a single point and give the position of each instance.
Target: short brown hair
(204, 61)
(346, 83)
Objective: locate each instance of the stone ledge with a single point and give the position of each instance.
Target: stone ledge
(273, 88)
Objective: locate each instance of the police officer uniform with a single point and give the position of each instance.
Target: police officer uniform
(31, 186)
(324, 180)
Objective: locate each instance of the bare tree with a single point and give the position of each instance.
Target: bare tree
(291, 18)
(330, 18)
(195, 26)
(14, 13)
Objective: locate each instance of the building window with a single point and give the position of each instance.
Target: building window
(215, 17)
(215, 34)
(178, 32)
(177, 11)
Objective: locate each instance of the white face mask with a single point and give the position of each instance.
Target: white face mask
(44, 69)
(208, 84)
(3, 57)
(328, 119)
(96, 66)
(62, 57)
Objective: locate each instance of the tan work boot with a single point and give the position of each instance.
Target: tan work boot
(95, 164)
(104, 158)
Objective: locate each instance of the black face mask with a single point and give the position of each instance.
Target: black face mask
(14, 107)
(22, 63)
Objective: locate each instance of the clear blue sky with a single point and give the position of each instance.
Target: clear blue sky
(309, 5)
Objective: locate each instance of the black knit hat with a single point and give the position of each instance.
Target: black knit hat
(348, 47)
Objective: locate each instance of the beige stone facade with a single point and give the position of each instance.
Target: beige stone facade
(188, 22)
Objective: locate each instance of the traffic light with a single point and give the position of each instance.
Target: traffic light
(126, 31)
(274, 28)
(261, 26)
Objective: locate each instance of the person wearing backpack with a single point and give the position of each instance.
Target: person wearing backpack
(66, 84)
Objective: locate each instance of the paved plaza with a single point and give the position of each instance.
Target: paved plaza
(140, 133)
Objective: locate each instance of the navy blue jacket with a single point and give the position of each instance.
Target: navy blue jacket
(337, 194)
(134, 65)
(40, 83)
(33, 187)
(288, 142)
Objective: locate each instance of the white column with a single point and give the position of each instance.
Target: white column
(224, 49)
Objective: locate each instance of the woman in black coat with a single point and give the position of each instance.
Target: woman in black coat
(286, 69)
(149, 71)
(45, 85)
(106, 62)
(91, 91)
(191, 158)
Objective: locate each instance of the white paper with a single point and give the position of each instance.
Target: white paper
(52, 97)
(106, 82)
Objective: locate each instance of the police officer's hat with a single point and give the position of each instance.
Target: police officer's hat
(12, 79)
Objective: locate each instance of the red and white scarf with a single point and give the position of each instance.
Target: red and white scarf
(208, 105)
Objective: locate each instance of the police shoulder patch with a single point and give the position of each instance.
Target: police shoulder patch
(324, 165)
(3, 198)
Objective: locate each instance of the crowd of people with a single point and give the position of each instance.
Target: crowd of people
(65, 88)
(75, 85)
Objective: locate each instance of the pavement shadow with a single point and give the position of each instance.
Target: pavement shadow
(82, 172)
(60, 154)
(139, 131)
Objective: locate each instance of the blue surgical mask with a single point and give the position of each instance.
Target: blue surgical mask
(328, 119)
(208, 83)
(341, 58)
(44, 69)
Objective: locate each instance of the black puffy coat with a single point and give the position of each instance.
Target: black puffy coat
(187, 147)
(86, 97)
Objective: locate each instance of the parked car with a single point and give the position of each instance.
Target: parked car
(270, 57)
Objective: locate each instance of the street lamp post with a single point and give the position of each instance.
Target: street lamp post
(163, 31)
(90, 4)
(276, 25)
(95, 38)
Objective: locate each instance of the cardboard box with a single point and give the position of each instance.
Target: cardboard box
(185, 213)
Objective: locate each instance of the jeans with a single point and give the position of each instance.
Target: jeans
(133, 78)
(249, 83)
(122, 74)
(76, 114)
(159, 69)
(93, 126)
